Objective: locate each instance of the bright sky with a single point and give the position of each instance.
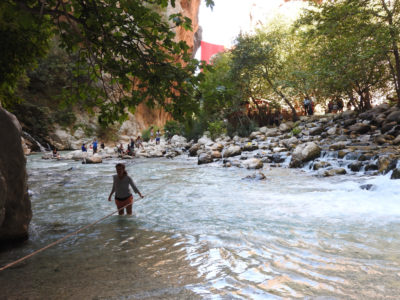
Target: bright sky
(228, 17)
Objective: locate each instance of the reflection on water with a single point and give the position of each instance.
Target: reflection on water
(204, 232)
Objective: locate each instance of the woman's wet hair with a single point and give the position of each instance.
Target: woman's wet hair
(122, 166)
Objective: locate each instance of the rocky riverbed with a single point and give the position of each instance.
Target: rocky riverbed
(329, 145)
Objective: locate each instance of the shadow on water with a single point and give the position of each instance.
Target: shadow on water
(126, 262)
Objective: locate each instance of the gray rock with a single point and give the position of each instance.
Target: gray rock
(289, 143)
(15, 206)
(253, 163)
(332, 131)
(256, 176)
(333, 172)
(395, 174)
(394, 117)
(270, 132)
(338, 146)
(194, 149)
(217, 147)
(250, 146)
(355, 166)
(232, 150)
(303, 153)
(320, 165)
(284, 127)
(387, 126)
(95, 159)
(349, 122)
(204, 158)
(216, 154)
(316, 131)
(360, 128)
(371, 167)
(348, 114)
(367, 187)
(396, 141)
(386, 164)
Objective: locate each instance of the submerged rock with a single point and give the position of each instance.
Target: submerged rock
(95, 159)
(367, 187)
(204, 158)
(253, 163)
(256, 176)
(395, 174)
(333, 172)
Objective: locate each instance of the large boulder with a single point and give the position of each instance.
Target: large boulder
(204, 158)
(360, 128)
(179, 141)
(15, 206)
(303, 153)
(232, 150)
(194, 149)
(269, 131)
(394, 117)
(253, 163)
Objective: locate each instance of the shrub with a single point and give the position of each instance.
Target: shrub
(146, 132)
(64, 117)
(194, 128)
(109, 133)
(216, 129)
(172, 128)
(295, 131)
(243, 129)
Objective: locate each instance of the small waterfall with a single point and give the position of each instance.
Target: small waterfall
(33, 140)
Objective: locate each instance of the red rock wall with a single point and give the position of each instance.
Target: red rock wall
(144, 116)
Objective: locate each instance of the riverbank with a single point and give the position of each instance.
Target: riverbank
(327, 145)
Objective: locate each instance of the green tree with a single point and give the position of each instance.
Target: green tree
(221, 98)
(388, 13)
(126, 47)
(259, 64)
(24, 37)
(218, 92)
(349, 49)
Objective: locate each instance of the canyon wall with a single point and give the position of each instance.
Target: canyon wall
(15, 206)
(144, 116)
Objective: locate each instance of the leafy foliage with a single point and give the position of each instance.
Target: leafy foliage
(216, 129)
(172, 128)
(125, 48)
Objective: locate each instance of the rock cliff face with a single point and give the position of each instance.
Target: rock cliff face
(144, 117)
(15, 206)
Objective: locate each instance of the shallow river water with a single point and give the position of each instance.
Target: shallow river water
(204, 232)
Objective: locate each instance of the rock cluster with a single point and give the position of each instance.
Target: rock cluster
(330, 145)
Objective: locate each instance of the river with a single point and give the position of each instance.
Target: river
(205, 232)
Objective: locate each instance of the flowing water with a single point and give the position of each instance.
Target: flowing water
(204, 232)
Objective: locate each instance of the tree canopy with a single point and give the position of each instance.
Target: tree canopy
(126, 50)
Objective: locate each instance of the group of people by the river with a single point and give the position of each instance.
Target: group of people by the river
(93, 146)
(336, 105)
(130, 147)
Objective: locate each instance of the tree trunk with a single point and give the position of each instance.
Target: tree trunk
(394, 46)
(295, 117)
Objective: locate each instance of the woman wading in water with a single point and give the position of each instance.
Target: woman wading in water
(123, 195)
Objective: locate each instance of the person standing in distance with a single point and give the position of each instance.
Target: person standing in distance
(94, 146)
(123, 195)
